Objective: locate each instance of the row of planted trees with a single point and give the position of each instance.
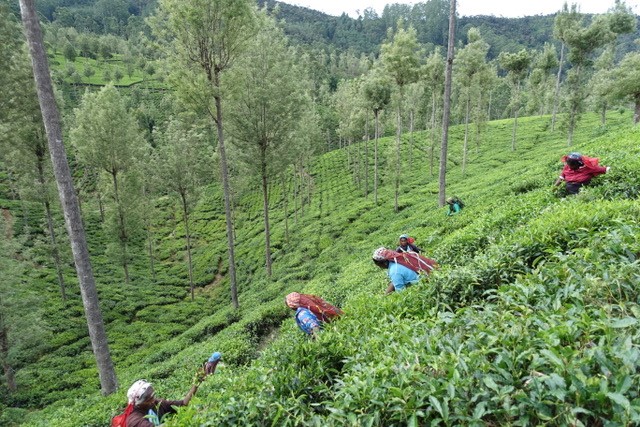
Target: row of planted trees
(269, 128)
(409, 81)
(240, 90)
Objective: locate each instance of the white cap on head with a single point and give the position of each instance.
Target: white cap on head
(139, 392)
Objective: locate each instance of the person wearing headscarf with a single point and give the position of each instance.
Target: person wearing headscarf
(400, 276)
(148, 410)
(311, 311)
(453, 206)
(406, 245)
(579, 170)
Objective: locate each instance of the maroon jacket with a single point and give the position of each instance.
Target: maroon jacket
(163, 407)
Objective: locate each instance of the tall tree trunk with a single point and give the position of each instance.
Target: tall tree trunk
(366, 158)
(396, 184)
(150, 250)
(227, 198)
(447, 106)
(411, 136)
(574, 105)
(433, 132)
(478, 122)
(295, 195)
(636, 114)
(375, 160)
(68, 198)
(603, 114)
(100, 206)
(466, 135)
(123, 236)
(265, 211)
(285, 201)
(55, 252)
(515, 117)
(187, 233)
(556, 97)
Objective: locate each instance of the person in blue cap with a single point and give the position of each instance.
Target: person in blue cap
(406, 245)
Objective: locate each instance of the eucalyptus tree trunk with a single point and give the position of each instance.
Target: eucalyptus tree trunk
(122, 228)
(515, 117)
(68, 198)
(411, 136)
(375, 158)
(466, 134)
(285, 202)
(227, 197)
(366, 159)
(396, 184)
(433, 132)
(150, 250)
(447, 106)
(556, 96)
(265, 211)
(187, 232)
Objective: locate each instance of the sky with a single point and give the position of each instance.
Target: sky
(505, 8)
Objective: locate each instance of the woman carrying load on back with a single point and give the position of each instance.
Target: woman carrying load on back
(578, 170)
(311, 311)
(404, 268)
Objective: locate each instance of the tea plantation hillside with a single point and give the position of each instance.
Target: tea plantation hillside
(532, 318)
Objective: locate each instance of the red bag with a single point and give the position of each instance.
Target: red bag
(121, 420)
(412, 260)
(324, 311)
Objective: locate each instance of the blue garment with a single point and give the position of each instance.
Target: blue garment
(306, 320)
(401, 276)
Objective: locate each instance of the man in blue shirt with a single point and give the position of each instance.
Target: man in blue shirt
(400, 276)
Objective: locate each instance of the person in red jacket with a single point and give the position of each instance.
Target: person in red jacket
(578, 171)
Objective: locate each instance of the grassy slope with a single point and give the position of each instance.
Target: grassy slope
(520, 323)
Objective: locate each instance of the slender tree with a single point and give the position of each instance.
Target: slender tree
(107, 138)
(68, 197)
(517, 66)
(564, 22)
(400, 58)
(377, 93)
(626, 82)
(205, 37)
(266, 100)
(447, 105)
(541, 81)
(433, 77)
(183, 167)
(470, 67)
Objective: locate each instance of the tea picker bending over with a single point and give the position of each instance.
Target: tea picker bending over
(311, 311)
(402, 268)
(578, 170)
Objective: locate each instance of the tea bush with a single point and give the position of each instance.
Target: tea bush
(530, 320)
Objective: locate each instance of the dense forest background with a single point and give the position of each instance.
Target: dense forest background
(332, 127)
